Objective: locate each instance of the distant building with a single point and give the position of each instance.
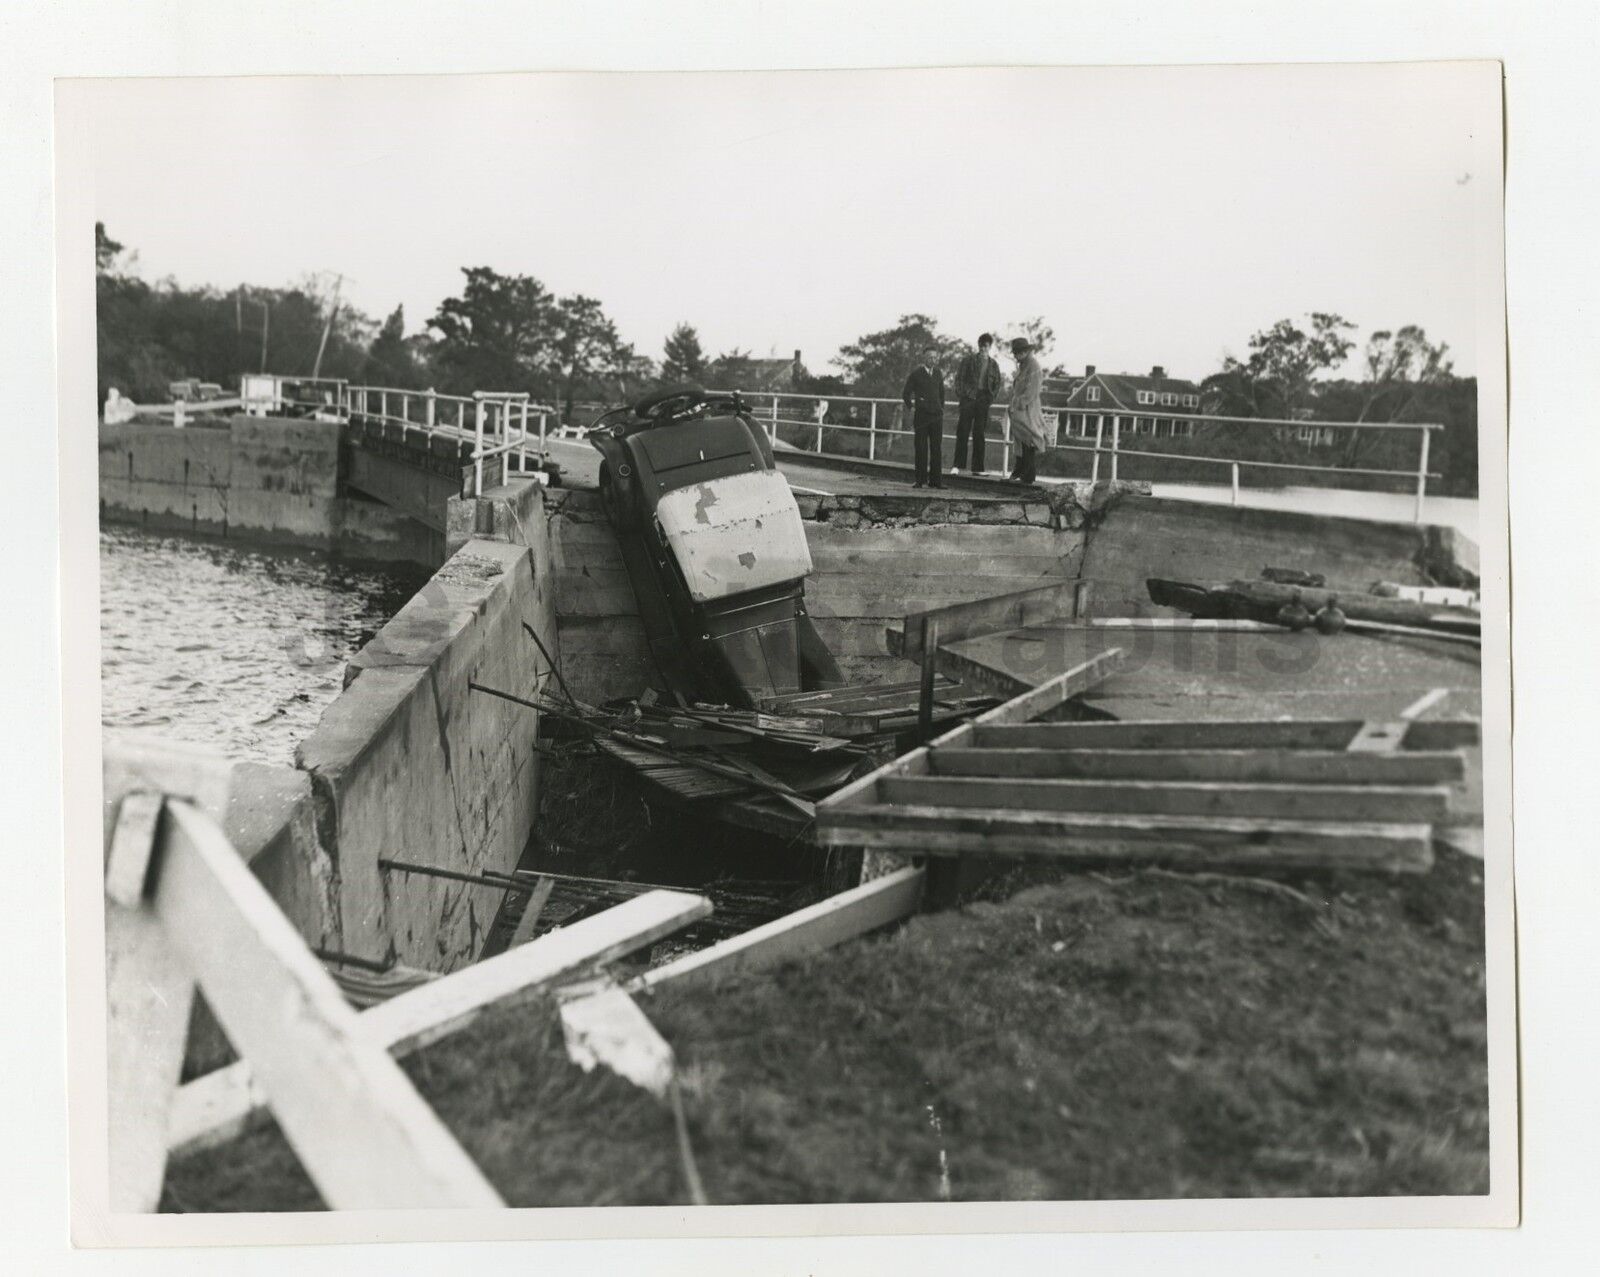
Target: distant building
(756, 374)
(1118, 394)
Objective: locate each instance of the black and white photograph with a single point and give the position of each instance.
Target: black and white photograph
(891, 644)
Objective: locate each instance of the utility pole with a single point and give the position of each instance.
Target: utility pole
(266, 316)
(316, 368)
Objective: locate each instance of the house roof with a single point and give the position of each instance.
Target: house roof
(1124, 387)
(753, 374)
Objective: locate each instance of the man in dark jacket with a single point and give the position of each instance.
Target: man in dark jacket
(978, 381)
(924, 401)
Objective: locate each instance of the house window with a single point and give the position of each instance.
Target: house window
(1147, 396)
(1169, 399)
(1191, 401)
(1182, 429)
(1092, 394)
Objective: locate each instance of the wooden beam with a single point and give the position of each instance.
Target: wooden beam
(820, 926)
(363, 1134)
(1281, 766)
(1324, 734)
(1053, 691)
(435, 1010)
(1173, 798)
(531, 909)
(1442, 733)
(1095, 837)
(149, 988)
(989, 616)
(217, 1106)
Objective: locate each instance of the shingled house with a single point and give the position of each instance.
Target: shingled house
(1108, 394)
(740, 372)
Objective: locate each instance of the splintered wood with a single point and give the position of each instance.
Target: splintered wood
(1291, 794)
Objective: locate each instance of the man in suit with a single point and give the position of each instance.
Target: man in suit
(978, 381)
(924, 402)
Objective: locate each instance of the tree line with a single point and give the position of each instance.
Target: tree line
(511, 332)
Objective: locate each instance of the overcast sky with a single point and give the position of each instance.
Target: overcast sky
(1151, 216)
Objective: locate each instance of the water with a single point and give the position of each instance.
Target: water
(236, 648)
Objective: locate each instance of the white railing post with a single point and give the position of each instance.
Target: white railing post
(461, 415)
(1005, 440)
(522, 437)
(819, 427)
(872, 431)
(1099, 430)
(1422, 474)
(433, 407)
(1116, 430)
(543, 431)
(477, 452)
(772, 429)
(1235, 467)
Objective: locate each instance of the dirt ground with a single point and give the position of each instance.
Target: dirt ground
(1079, 1036)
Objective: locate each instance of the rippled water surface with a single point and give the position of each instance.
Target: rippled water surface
(228, 646)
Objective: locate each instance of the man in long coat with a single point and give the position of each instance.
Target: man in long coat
(924, 400)
(1026, 412)
(978, 381)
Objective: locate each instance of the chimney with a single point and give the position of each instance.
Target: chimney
(1158, 372)
(1088, 370)
(797, 359)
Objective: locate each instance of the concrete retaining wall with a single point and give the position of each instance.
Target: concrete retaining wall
(269, 480)
(879, 557)
(409, 764)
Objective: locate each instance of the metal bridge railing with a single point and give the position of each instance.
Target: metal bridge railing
(1109, 429)
(500, 424)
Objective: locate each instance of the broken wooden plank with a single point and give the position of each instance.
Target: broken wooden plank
(1096, 837)
(1267, 765)
(365, 1137)
(1380, 803)
(602, 1025)
(820, 926)
(215, 1107)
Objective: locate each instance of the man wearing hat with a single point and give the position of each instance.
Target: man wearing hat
(924, 400)
(978, 381)
(1026, 412)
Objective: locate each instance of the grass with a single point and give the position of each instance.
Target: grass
(1138, 1035)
